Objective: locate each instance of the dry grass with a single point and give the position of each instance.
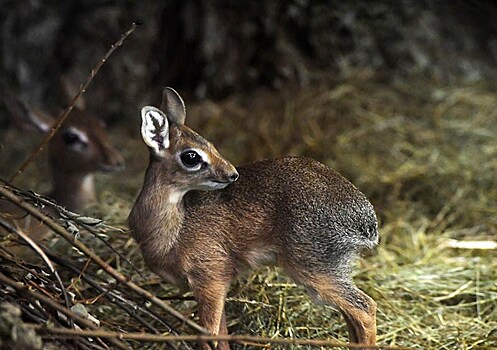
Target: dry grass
(426, 155)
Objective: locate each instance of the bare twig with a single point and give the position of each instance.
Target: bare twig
(75, 99)
(23, 290)
(45, 258)
(204, 338)
(121, 255)
(114, 297)
(10, 196)
(128, 306)
(67, 214)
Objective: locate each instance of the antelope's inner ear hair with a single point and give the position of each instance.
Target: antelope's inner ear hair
(155, 129)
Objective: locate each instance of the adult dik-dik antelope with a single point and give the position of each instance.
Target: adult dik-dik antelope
(198, 227)
(76, 152)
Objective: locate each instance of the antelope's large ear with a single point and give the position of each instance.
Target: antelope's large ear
(155, 129)
(173, 105)
(26, 117)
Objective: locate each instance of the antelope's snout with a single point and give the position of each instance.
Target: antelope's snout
(113, 161)
(234, 176)
(224, 172)
(220, 177)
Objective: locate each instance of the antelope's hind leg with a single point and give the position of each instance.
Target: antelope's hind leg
(358, 309)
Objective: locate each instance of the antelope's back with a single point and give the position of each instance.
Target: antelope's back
(313, 203)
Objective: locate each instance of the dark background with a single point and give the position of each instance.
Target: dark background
(216, 48)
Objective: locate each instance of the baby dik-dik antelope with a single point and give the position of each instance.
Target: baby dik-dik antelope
(198, 227)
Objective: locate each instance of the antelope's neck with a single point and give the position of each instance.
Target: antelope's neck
(73, 191)
(157, 216)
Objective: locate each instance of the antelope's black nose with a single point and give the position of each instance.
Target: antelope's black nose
(233, 177)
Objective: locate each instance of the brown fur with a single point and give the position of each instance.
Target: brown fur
(72, 168)
(72, 171)
(291, 211)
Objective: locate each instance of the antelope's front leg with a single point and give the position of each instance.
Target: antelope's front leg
(211, 297)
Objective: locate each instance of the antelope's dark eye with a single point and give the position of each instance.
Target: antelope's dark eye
(191, 159)
(70, 137)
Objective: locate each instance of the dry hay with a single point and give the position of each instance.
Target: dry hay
(426, 155)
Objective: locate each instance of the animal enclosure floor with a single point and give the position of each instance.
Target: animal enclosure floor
(426, 156)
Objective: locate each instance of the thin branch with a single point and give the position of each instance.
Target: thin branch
(34, 314)
(11, 229)
(54, 226)
(79, 219)
(121, 255)
(45, 258)
(128, 306)
(204, 338)
(22, 289)
(75, 99)
(108, 293)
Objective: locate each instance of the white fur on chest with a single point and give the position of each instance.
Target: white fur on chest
(175, 196)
